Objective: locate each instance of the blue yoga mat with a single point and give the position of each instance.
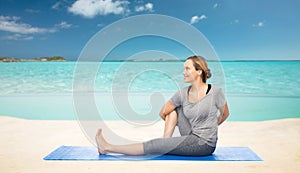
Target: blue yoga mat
(91, 153)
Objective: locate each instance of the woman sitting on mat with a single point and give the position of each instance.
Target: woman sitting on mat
(197, 110)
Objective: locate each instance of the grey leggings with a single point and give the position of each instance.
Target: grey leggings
(186, 144)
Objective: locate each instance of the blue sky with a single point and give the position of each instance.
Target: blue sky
(237, 29)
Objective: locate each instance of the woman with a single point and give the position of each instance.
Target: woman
(194, 109)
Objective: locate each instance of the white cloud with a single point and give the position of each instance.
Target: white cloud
(236, 21)
(17, 37)
(215, 5)
(64, 25)
(196, 19)
(139, 8)
(259, 24)
(92, 8)
(11, 24)
(56, 5)
(203, 17)
(24, 31)
(149, 6)
(146, 7)
(100, 25)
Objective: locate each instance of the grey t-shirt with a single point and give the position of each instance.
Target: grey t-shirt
(202, 115)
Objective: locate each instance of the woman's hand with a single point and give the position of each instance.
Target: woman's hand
(224, 113)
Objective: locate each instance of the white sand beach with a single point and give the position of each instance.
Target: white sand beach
(24, 143)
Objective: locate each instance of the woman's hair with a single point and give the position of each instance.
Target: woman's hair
(200, 64)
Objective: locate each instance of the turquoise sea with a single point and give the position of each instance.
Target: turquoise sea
(255, 90)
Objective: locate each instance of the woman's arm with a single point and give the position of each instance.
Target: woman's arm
(166, 110)
(224, 113)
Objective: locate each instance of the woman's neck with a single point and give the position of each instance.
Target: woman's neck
(198, 86)
(197, 92)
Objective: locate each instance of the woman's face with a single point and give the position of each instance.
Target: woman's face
(190, 74)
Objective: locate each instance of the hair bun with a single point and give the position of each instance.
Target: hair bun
(208, 74)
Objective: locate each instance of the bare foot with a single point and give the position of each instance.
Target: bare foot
(101, 143)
